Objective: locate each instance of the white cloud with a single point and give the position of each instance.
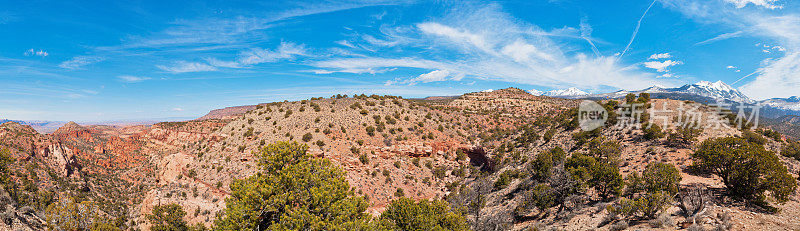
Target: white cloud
(78, 62)
(662, 66)
(666, 75)
(40, 53)
(433, 76)
(780, 78)
(660, 56)
(463, 37)
(769, 4)
(177, 109)
(286, 50)
(521, 52)
(132, 79)
(184, 67)
(220, 63)
(489, 44)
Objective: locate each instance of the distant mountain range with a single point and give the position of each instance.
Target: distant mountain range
(45, 127)
(703, 91)
(565, 92)
(39, 125)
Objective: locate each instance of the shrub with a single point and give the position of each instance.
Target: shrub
(167, 217)
(791, 149)
(650, 192)
(249, 132)
(747, 169)
(505, 179)
(583, 137)
(542, 197)
(363, 158)
(548, 135)
(754, 137)
(771, 134)
(405, 214)
(528, 136)
(644, 97)
(439, 172)
(661, 177)
(684, 135)
(293, 191)
(66, 214)
(370, 130)
(5, 161)
(630, 98)
(606, 150)
(579, 166)
(605, 178)
(646, 206)
(652, 132)
(543, 162)
(460, 156)
(595, 172)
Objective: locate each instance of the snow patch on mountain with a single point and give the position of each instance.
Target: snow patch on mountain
(791, 103)
(535, 92)
(572, 91)
(717, 90)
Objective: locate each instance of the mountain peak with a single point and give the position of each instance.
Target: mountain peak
(572, 91)
(69, 127)
(535, 92)
(719, 85)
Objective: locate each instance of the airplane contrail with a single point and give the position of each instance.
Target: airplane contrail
(636, 31)
(740, 79)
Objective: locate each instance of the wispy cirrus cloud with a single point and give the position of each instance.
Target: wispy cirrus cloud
(286, 50)
(185, 67)
(769, 4)
(433, 76)
(78, 62)
(132, 79)
(254, 56)
(7, 17)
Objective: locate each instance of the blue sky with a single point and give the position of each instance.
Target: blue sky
(101, 60)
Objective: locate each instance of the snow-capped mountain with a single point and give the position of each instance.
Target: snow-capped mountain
(566, 92)
(717, 90)
(791, 103)
(703, 90)
(535, 92)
